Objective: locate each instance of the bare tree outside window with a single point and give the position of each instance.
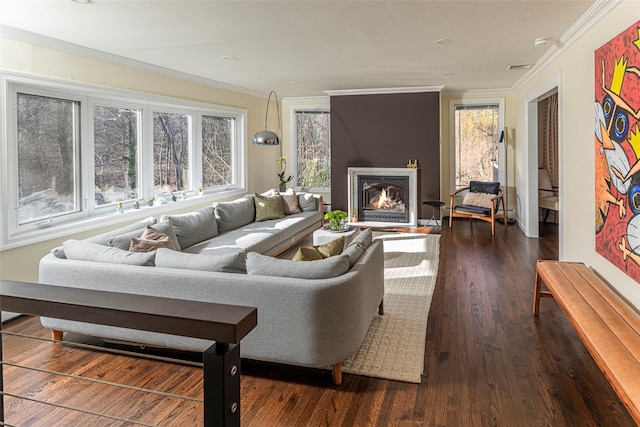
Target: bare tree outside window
(313, 149)
(476, 144)
(48, 130)
(217, 144)
(171, 134)
(115, 133)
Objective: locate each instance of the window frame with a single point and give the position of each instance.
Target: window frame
(92, 216)
(502, 154)
(293, 111)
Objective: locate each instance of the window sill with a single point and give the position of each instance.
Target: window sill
(58, 228)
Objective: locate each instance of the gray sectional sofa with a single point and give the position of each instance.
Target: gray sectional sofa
(310, 313)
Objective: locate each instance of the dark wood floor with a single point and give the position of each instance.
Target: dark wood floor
(488, 361)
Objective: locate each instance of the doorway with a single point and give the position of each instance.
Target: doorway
(548, 168)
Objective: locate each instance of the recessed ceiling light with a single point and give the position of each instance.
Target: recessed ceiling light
(541, 41)
(229, 58)
(443, 41)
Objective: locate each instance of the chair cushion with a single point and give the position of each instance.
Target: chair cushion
(484, 187)
(472, 209)
(482, 200)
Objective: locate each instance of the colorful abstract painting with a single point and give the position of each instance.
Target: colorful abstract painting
(617, 150)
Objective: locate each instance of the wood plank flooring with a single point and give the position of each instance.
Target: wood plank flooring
(488, 362)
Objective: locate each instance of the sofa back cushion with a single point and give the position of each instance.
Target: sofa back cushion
(218, 263)
(358, 245)
(193, 227)
(82, 250)
(320, 269)
(235, 214)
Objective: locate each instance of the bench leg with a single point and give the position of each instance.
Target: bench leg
(336, 373)
(56, 335)
(381, 308)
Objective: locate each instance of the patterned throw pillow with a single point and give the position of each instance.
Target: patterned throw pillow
(482, 200)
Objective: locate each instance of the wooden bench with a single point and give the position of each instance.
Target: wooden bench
(608, 326)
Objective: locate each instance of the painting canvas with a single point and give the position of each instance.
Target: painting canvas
(617, 150)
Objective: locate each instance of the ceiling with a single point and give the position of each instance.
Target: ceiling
(304, 48)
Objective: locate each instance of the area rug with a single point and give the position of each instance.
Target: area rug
(394, 345)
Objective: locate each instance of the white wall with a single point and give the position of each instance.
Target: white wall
(575, 67)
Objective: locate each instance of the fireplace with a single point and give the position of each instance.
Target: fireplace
(383, 196)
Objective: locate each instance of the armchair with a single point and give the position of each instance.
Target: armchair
(481, 201)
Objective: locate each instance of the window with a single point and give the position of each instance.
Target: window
(115, 148)
(217, 150)
(313, 149)
(477, 152)
(171, 135)
(47, 148)
(74, 151)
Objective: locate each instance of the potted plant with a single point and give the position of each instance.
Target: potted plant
(335, 219)
(282, 184)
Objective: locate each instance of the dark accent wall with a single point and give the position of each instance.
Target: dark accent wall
(385, 131)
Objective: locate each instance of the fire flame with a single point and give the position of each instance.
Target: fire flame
(383, 198)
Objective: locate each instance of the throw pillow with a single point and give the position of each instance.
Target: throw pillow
(148, 245)
(217, 263)
(235, 214)
(307, 202)
(482, 200)
(268, 207)
(307, 254)
(193, 227)
(264, 265)
(358, 245)
(89, 251)
(290, 202)
(123, 241)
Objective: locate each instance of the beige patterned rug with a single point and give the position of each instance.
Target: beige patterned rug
(394, 345)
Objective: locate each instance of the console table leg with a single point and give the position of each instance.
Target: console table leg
(222, 385)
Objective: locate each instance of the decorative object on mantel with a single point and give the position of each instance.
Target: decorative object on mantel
(267, 137)
(282, 185)
(413, 164)
(335, 219)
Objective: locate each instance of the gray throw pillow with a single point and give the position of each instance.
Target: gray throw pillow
(221, 263)
(193, 227)
(89, 251)
(235, 214)
(307, 202)
(104, 237)
(320, 269)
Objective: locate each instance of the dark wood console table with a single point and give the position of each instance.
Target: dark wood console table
(225, 324)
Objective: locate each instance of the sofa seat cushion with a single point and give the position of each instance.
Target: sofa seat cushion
(257, 236)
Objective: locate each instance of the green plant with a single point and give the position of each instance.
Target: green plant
(335, 218)
(283, 161)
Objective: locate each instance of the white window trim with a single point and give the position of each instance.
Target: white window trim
(293, 151)
(92, 217)
(502, 156)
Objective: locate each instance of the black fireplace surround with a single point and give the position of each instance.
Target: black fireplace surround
(383, 198)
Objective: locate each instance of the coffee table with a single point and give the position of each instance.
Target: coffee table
(324, 235)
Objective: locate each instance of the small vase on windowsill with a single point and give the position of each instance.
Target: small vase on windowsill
(282, 188)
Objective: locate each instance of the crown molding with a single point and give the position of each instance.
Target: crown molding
(384, 91)
(320, 98)
(596, 12)
(17, 34)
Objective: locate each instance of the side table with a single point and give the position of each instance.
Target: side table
(435, 204)
(323, 235)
